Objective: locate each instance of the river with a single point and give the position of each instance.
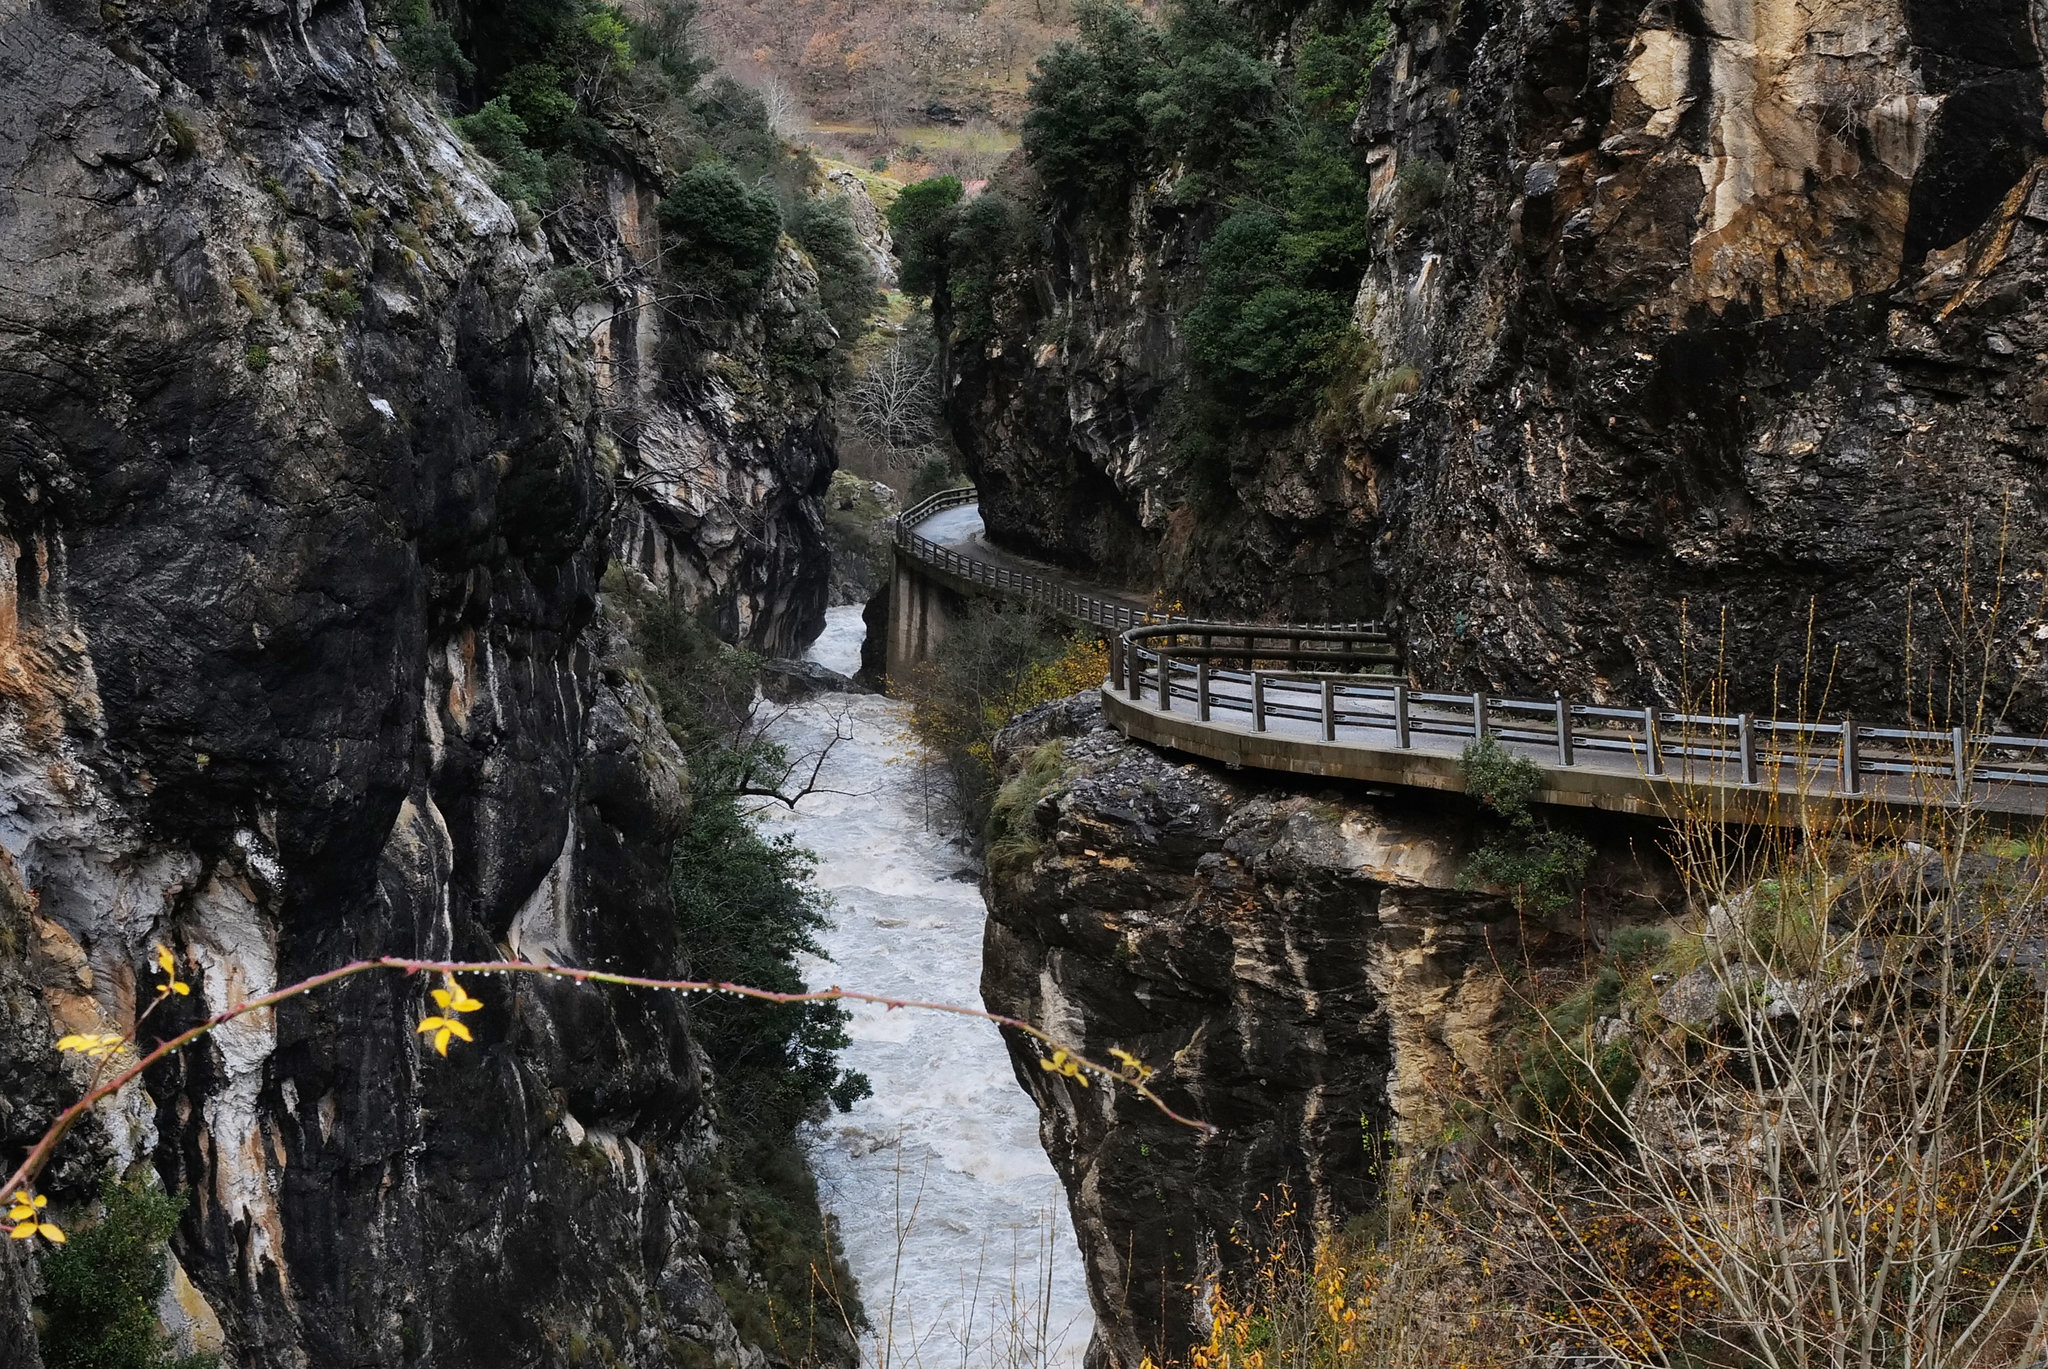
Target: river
(952, 1218)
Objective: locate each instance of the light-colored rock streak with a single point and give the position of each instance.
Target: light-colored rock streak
(1816, 123)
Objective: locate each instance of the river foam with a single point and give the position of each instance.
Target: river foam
(952, 1218)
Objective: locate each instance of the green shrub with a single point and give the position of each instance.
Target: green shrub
(1560, 1078)
(1419, 187)
(1333, 67)
(100, 1289)
(1262, 342)
(985, 236)
(725, 231)
(1086, 130)
(846, 274)
(747, 910)
(1540, 867)
(921, 222)
(500, 134)
(426, 45)
(1215, 102)
(535, 93)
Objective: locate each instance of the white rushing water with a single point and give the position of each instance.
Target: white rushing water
(952, 1218)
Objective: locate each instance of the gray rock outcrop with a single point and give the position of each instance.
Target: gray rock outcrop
(1686, 324)
(311, 459)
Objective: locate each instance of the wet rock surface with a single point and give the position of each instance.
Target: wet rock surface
(1734, 315)
(310, 465)
(1301, 971)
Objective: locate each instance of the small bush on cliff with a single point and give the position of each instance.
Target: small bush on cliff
(426, 44)
(98, 1306)
(994, 664)
(1086, 132)
(846, 274)
(983, 241)
(1540, 867)
(748, 911)
(921, 221)
(725, 230)
(501, 135)
(1262, 342)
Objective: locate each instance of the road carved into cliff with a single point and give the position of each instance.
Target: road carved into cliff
(1302, 716)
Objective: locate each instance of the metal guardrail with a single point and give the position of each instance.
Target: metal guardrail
(1337, 702)
(1844, 757)
(1040, 590)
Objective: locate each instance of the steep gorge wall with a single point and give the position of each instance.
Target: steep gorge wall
(1712, 310)
(311, 460)
(1303, 972)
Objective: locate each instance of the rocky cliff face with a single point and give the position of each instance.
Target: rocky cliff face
(309, 468)
(1302, 971)
(1716, 311)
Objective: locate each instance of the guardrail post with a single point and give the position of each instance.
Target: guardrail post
(1848, 777)
(1564, 728)
(1401, 716)
(1329, 710)
(1165, 680)
(1478, 717)
(1136, 671)
(1653, 743)
(1202, 691)
(1258, 701)
(1960, 746)
(1116, 662)
(1745, 746)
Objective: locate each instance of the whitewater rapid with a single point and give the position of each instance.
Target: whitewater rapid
(952, 1219)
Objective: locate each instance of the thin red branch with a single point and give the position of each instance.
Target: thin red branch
(39, 1155)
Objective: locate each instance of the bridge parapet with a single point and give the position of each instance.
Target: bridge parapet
(1651, 760)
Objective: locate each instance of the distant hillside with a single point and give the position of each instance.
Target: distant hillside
(931, 85)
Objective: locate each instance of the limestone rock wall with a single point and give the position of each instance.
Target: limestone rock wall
(1302, 971)
(311, 459)
(1690, 322)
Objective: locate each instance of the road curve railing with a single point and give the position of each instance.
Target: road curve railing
(1327, 700)
(1278, 698)
(1049, 593)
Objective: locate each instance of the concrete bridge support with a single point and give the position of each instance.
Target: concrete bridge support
(922, 612)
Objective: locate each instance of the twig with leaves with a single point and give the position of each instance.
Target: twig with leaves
(453, 1000)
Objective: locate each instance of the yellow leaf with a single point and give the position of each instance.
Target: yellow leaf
(460, 1030)
(463, 1002)
(163, 958)
(441, 1040)
(23, 1231)
(428, 1024)
(443, 998)
(50, 1233)
(179, 987)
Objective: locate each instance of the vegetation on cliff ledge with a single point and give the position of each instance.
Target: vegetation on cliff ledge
(1192, 110)
(746, 911)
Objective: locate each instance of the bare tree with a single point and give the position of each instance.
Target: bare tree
(1821, 1146)
(786, 113)
(894, 403)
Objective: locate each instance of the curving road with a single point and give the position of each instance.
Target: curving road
(1648, 760)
